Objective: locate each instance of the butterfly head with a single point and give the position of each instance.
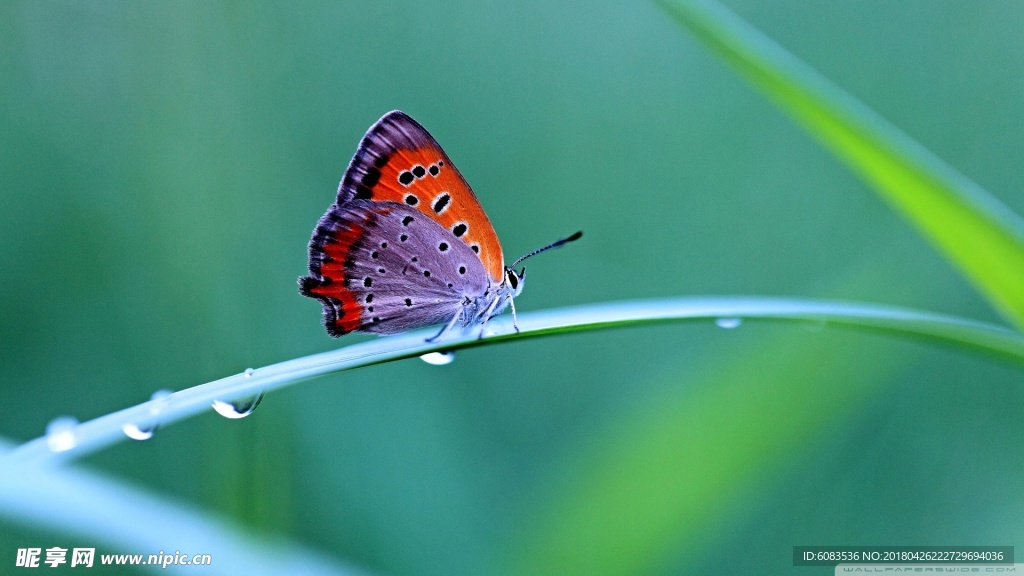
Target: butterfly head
(515, 280)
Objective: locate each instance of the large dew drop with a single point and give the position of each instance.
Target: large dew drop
(438, 358)
(60, 434)
(236, 409)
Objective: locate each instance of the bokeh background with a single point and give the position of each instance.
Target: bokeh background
(162, 166)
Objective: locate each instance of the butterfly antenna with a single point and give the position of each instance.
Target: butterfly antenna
(555, 244)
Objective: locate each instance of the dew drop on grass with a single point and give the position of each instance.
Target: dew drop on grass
(158, 401)
(438, 358)
(240, 408)
(60, 434)
(729, 323)
(249, 372)
(135, 433)
(160, 394)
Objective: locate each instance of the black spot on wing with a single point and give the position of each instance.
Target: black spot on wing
(441, 202)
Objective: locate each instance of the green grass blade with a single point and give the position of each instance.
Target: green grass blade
(981, 236)
(96, 434)
(124, 519)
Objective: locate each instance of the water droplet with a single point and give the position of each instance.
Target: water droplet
(438, 358)
(60, 434)
(135, 433)
(238, 408)
(158, 401)
(157, 404)
(249, 372)
(161, 394)
(729, 323)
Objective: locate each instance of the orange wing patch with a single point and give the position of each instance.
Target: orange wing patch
(399, 161)
(427, 180)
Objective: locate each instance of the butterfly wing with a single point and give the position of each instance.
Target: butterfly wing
(406, 242)
(386, 268)
(399, 161)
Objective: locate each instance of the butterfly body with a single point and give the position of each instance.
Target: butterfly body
(406, 243)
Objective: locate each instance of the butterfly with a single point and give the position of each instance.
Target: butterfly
(406, 243)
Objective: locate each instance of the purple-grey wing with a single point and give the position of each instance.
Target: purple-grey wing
(407, 271)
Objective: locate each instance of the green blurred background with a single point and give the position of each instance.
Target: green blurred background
(163, 164)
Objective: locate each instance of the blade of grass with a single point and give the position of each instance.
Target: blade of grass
(981, 236)
(94, 435)
(131, 521)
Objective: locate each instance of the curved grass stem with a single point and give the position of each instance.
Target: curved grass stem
(89, 437)
(979, 234)
(112, 513)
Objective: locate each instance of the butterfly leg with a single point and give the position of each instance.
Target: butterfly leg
(446, 328)
(512, 302)
(487, 316)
